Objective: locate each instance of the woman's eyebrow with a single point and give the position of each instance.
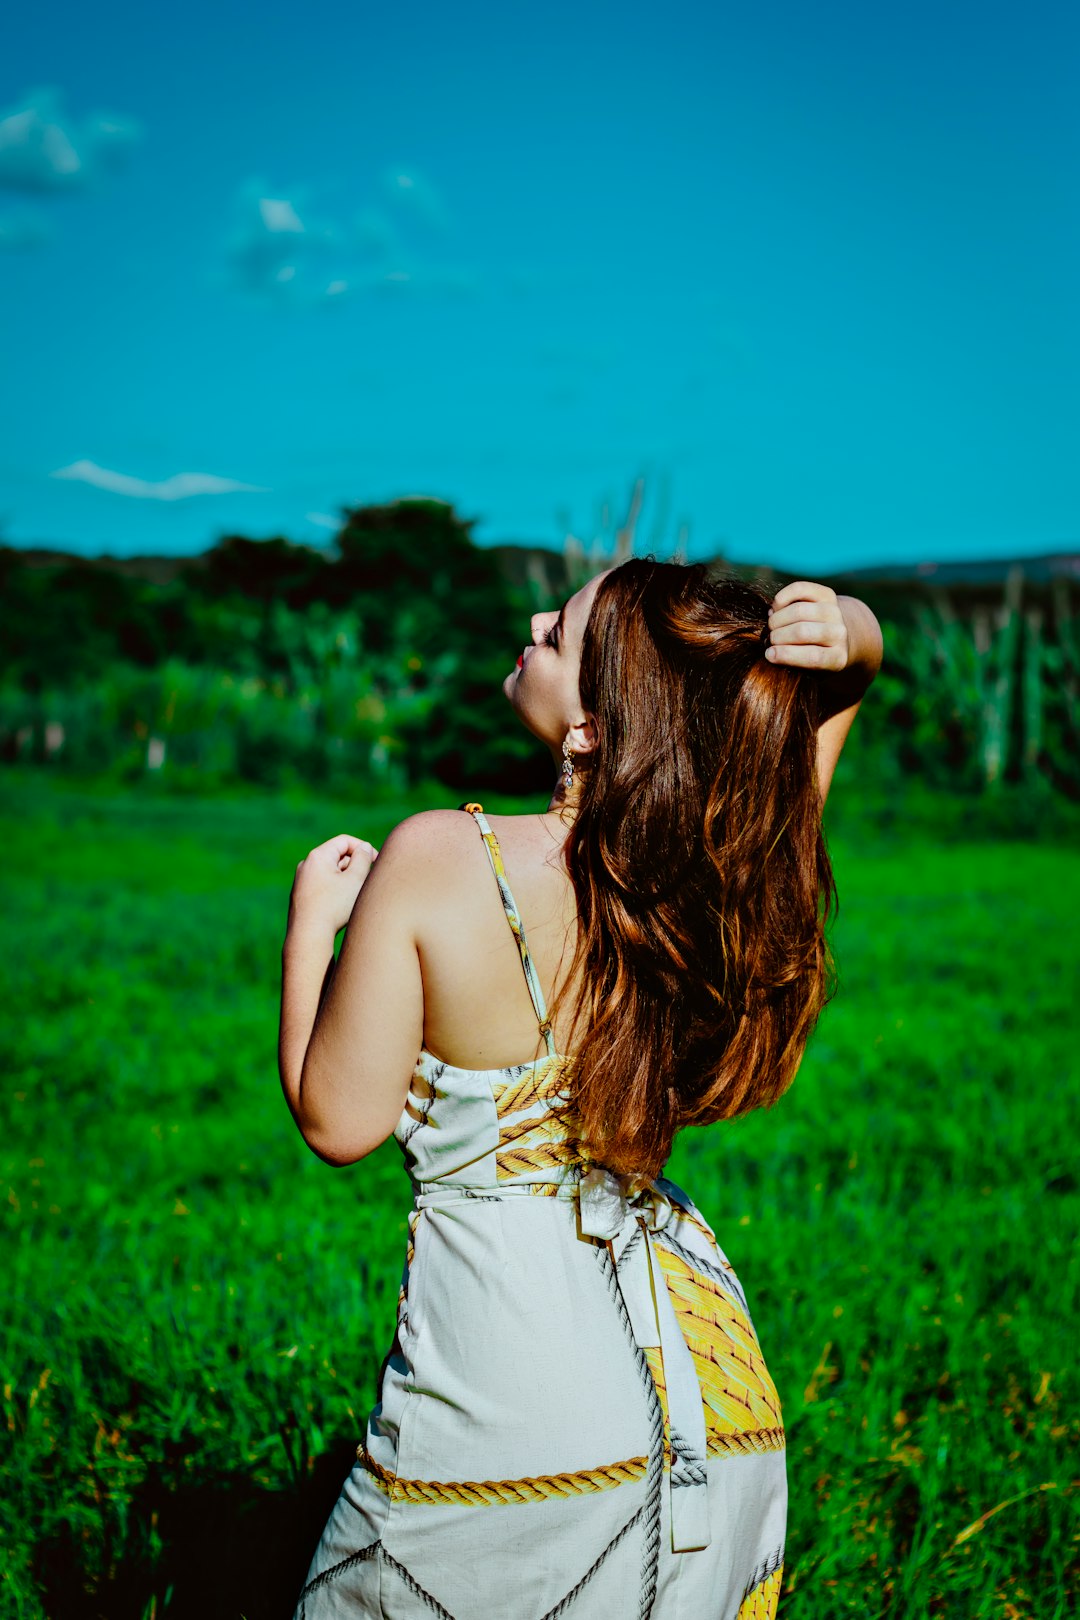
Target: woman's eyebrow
(559, 626)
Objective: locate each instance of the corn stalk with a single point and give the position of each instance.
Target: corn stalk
(1033, 690)
(605, 549)
(996, 644)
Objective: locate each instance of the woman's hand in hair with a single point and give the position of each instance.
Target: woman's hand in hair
(808, 628)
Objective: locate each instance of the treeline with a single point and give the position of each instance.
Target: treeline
(382, 660)
(274, 662)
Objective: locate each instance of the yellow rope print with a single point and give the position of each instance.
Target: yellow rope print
(410, 1252)
(535, 1143)
(542, 1126)
(760, 1604)
(538, 1142)
(742, 1410)
(654, 1356)
(545, 1081)
(718, 1442)
(526, 1160)
(488, 1492)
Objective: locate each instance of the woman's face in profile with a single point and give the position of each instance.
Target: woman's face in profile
(543, 687)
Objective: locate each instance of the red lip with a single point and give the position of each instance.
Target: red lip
(521, 660)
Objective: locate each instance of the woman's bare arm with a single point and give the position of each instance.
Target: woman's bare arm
(839, 638)
(350, 1033)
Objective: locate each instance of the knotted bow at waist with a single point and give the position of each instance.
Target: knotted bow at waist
(626, 1213)
(608, 1204)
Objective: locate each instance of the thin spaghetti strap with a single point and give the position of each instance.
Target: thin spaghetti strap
(513, 917)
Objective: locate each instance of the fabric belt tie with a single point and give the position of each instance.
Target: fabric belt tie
(608, 1206)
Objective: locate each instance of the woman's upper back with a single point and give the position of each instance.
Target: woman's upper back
(478, 1012)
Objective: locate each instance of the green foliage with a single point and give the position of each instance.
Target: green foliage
(982, 694)
(195, 1308)
(71, 620)
(382, 663)
(382, 659)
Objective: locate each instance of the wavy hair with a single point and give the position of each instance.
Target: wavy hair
(702, 879)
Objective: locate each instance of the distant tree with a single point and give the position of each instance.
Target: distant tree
(71, 618)
(422, 589)
(260, 571)
(416, 560)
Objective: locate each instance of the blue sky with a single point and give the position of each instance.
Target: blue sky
(812, 270)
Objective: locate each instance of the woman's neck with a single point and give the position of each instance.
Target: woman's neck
(563, 803)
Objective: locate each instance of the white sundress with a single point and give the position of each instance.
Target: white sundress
(574, 1418)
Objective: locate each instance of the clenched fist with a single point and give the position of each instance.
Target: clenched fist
(327, 882)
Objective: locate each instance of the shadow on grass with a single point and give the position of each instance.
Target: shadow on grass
(228, 1551)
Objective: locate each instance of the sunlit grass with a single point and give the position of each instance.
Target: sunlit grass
(195, 1308)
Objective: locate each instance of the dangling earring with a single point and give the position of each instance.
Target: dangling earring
(567, 765)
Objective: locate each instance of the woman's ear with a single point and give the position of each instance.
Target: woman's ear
(583, 736)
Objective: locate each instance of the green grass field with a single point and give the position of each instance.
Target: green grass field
(194, 1307)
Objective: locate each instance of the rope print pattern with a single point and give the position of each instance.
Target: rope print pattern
(378, 1551)
(763, 1590)
(426, 1105)
(650, 1550)
(337, 1570)
(542, 1126)
(539, 1085)
(561, 1607)
(414, 1587)
(528, 1159)
(403, 1290)
(719, 1443)
(725, 1276)
(737, 1389)
(488, 1492)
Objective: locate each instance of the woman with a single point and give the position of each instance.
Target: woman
(575, 1417)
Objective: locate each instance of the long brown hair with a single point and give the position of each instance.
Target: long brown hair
(702, 878)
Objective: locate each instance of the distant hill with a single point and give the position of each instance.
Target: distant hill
(544, 566)
(1039, 569)
(522, 562)
(159, 570)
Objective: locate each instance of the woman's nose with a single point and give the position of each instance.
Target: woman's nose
(540, 624)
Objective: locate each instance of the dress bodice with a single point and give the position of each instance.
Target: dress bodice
(476, 1129)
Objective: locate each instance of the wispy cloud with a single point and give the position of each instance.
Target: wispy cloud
(284, 250)
(44, 152)
(280, 248)
(323, 520)
(180, 487)
(405, 186)
(43, 149)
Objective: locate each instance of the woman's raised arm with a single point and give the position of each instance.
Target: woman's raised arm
(812, 628)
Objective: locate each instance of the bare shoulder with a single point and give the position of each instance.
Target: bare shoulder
(416, 874)
(430, 835)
